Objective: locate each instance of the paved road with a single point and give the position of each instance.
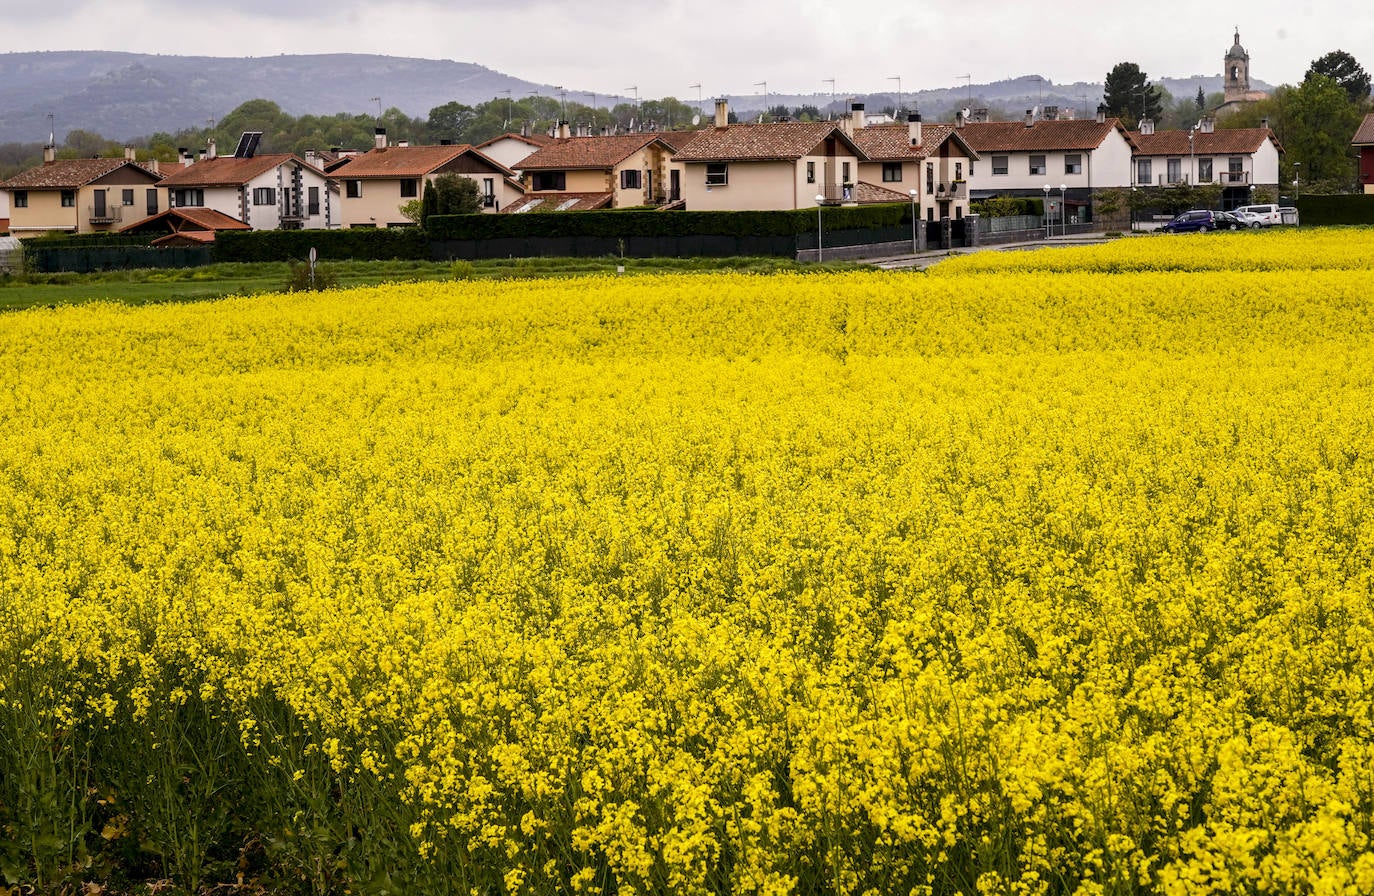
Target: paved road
(926, 259)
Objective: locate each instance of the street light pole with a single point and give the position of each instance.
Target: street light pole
(914, 193)
(1046, 210)
(1063, 208)
(1296, 166)
(820, 236)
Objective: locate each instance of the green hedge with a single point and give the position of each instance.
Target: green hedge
(650, 223)
(1319, 211)
(359, 244)
(87, 240)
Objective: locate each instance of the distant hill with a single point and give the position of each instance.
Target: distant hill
(128, 95)
(125, 95)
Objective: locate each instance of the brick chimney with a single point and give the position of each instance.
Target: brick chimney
(129, 154)
(722, 112)
(913, 127)
(564, 130)
(49, 155)
(210, 149)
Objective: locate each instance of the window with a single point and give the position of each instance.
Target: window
(958, 171)
(629, 180)
(844, 173)
(1037, 164)
(930, 214)
(1073, 163)
(892, 172)
(69, 199)
(717, 174)
(970, 168)
(550, 180)
(188, 198)
(21, 198)
(152, 202)
(1174, 170)
(313, 201)
(410, 188)
(1000, 165)
(264, 196)
(811, 172)
(127, 197)
(930, 177)
(1142, 171)
(353, 189)
(1236, 167)
(1204, 171)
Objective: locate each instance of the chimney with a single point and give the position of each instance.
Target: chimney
(445, 142)
(1208, 124)
(402, 144)
(183, 156)
(1147, 127)
(129, 154)
(1101, 113)
(210, 149)
(1030, 117)
(722, 112)
(564, 130)
(857, 119)
(980, 116)
(1051, 113)
(49, 154)
(1264, 123)
(153, 166)
(379, 138)
(959, 118)
(913, 127)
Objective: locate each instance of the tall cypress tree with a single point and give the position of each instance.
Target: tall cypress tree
(1130, 96)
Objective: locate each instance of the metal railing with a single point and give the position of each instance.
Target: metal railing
(1235, 177)
(110, 214)
(835, 193)
(957, 189)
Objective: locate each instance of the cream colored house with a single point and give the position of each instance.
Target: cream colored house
(376, 184)
(1239, 159)
(927, 164)
(81, 195)
(509, 149)
(608, 171)
(271, 191)
(786, 165)
(1021, 158)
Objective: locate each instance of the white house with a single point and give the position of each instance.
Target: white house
(509, 149)
(272, 191)
(1239, 159)
(932, 160)
(1021, 158)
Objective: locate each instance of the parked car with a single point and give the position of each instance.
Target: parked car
(1228, 221)
(1288, 214)
(1251, 219)
(1269, 213)
(1198, 220)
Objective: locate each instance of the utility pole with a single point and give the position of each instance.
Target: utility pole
(830, 110)
(896, 110)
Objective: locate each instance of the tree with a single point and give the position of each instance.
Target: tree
(1318, 122)
(1130, 96)
(1201, 100)
(450, 122)
(455, 195)
(1342, 68)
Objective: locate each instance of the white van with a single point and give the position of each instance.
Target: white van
(1269, 214)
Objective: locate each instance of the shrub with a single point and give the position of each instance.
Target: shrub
(300, 279)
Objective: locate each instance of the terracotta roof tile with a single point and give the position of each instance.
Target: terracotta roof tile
(187, 218)
(892, 143)
(562, 202)
(782, 141)
(678, 140)
(227, 171)
(1365, 135)
(1014, 136)
(404, 161)
(870, 194)
(1220, 142)
(566, 153)
(531, 139)
(69, 174)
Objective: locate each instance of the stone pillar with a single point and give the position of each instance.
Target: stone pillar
(973, 237)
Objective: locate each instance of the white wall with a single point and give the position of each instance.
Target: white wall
(1109, 165)
(1261, 168)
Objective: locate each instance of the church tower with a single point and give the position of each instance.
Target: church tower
(1236, 72)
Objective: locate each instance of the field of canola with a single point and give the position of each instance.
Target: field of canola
(1042, 573)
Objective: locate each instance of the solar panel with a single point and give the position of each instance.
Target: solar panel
(248, 144)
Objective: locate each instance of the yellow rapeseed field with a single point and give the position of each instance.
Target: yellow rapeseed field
(1041, 573)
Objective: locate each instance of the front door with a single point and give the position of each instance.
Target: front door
(674, 185)
(99, 211)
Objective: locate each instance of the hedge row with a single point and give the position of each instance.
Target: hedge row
(358, 244)
(650, 223)
(1316, 210)
(87, 240)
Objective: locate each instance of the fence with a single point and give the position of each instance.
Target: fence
(84, 260)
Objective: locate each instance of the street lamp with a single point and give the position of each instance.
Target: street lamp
(1063, 207)
(1192, 156)
(1296, 166)
(914, 193)
(1046, 210)
(820, 240)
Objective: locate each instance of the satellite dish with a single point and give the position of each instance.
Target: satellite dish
(696, 120)
(966, 112)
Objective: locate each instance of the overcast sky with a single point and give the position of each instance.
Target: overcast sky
(727, 46)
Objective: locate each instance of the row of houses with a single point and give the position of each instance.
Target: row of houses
(939, 168)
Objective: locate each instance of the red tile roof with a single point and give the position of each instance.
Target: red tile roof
(870, 194)
(782, 141)
(185, 238)
(570, 153)
(406, 161)
(227, 171)
(1014, 136)
(531, 139)
(187, 219)
(70, 174)
(1220, 142)
(892, 143)
(678, 140)
(562, 202)
(1365, 135)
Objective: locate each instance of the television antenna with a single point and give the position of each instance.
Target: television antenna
(700, 110)
(968, 82)
(378, 101)
(509, 105)
(830, 110)
(764, 85)
(898, 108)
(635, 89)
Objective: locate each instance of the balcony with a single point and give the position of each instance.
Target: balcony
(106, 214)
(488, 200)
(1235, 178)
(955, 189)
(836, 194)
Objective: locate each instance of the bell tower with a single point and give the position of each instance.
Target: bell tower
(1236, 71)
